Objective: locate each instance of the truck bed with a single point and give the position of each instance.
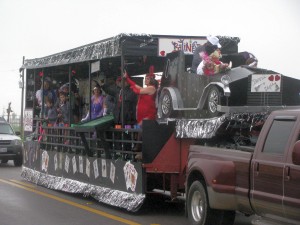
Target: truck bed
(226, 175)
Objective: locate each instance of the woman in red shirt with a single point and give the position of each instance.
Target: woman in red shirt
(146, 107)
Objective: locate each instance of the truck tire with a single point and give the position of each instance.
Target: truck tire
(199, 212)
(18, 161)
(166, 105)
(213, 99)
(4, 160)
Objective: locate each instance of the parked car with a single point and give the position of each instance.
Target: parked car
(186, 94)
(11, 146)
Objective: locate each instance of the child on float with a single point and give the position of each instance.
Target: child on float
(63, 114)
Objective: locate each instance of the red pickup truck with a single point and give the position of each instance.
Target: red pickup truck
(264, 180)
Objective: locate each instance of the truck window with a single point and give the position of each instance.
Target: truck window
(278, 136)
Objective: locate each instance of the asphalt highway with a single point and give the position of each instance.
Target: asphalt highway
(24, 203)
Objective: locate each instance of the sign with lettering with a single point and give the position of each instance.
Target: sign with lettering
(188, 46)
(28, 120)
(266, 83)
(95, 66)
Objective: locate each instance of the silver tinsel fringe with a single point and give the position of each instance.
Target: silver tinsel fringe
(129, 201)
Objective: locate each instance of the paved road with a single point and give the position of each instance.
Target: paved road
(23, 203)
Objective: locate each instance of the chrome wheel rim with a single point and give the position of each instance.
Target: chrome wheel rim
(213, 101)
(197, 206)
(166, 104)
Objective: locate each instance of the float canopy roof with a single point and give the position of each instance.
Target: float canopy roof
(126, 44)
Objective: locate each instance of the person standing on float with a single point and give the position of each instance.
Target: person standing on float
(146, 107)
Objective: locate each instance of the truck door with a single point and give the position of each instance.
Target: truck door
(291, 198)
(267, 167)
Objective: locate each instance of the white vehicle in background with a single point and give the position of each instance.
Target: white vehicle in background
(11, 147)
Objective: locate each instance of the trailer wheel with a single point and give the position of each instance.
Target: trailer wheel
(213, 99)
(18, 161)
(166, 105)
(4, 160)
(199, 212)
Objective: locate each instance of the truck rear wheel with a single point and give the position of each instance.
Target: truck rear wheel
(199, 212)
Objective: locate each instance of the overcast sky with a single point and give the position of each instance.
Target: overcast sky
(35, 28)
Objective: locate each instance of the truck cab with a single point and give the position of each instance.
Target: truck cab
(275, 169)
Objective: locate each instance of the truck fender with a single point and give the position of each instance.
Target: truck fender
(219, 177)
(221, 186)
(204, 95)
(177, 102)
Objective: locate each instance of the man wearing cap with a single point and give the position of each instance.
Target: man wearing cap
(212, 42)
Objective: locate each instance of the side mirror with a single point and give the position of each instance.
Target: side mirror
(18, 133)
(296, 153)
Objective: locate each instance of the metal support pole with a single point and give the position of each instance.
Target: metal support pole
(43, 97)
(22, 102)
(70, 96)
(90, 90)
(122, 85)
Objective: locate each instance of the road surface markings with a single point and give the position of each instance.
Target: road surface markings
(101, 213)
(23, 183)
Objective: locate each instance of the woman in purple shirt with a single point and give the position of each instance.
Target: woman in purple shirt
(97, 102)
